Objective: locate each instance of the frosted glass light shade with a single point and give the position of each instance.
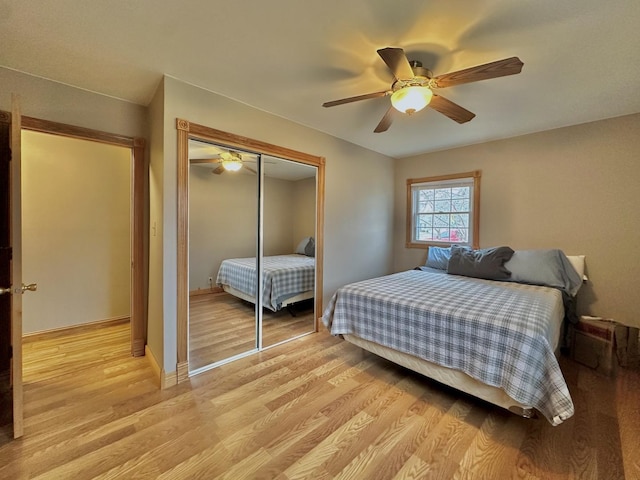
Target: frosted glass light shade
(411, 99)
(232, 165)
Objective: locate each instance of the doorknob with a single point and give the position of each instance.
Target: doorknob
(5, 290)
(32, 287)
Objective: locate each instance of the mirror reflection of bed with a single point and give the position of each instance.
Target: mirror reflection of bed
(223, 229)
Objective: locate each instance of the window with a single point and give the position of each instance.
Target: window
(443, 210)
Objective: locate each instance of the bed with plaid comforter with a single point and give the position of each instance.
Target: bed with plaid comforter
(496, 332)
(284, 276)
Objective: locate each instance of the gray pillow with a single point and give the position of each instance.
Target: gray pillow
(300, 249)
(438, 257)
(550, 268)
(310, 248)
(487, 263)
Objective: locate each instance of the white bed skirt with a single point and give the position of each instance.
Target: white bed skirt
(453, 378)
(291, 300)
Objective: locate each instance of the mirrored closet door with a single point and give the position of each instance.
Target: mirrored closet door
(250, 246)
(223, 246)
(288, 261)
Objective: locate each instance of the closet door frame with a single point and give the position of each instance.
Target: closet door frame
(188, 130)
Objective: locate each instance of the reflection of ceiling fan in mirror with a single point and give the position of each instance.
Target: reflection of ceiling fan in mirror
(413, 87)
(227, 161)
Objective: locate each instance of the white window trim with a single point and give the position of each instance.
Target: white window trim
(448, 180)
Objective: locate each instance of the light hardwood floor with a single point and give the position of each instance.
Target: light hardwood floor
(222, 326)
(314, 408)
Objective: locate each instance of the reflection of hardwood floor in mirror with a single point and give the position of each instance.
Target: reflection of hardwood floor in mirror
(221, 326)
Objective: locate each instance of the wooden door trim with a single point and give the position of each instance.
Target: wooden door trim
(16, 253)
(138, 277)
(187, 130)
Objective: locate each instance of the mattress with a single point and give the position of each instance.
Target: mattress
(284, 277)
(501, 334)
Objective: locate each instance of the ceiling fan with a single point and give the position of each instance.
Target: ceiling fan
(413, 87)
(228, 161)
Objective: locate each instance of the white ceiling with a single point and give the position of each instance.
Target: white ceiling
(581, 58)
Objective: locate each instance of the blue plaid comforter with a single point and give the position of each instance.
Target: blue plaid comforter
(496, 332)
(283, 277)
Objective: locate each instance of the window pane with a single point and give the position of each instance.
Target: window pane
(442, 205)
(442, 193)
(441, 220)
(425, 195)
(460, 205)
(462, 235)
(425, 221)
(460, 220)
(424, 233)
(460, 192)
(425, 206)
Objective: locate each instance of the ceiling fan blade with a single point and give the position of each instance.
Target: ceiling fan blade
(218, 170)
(250, 169)
(500, 68)
(355, 99)
(385, 123)
(452, 110)
(397, 62)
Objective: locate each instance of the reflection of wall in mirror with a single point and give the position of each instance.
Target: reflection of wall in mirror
(304, 213)
(223, 219)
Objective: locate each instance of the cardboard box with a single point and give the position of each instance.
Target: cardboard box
(627, 340)
(593, 344)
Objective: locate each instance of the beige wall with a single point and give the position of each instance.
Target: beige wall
(278, 207)
(75, 231)
(223, 221)
(304, 210)
(156, 303)
(573, 188)
(358, 202)
(61, 103)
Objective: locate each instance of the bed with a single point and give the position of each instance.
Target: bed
(495, 340)
(287, 279)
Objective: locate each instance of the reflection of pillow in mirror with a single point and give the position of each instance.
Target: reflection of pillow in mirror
(310, 249)
(300, 249)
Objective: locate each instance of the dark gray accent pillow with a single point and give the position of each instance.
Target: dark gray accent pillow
(310, 248)
(486, 263)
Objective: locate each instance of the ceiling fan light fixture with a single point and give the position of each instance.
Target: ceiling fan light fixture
(411, 99)
(232, 165)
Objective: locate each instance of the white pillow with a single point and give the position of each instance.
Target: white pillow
(300, 249)
(577, 262)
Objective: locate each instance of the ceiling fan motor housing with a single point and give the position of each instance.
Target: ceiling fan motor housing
(422, 77)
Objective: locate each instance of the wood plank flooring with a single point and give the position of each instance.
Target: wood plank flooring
(222, 326)
(316, 408)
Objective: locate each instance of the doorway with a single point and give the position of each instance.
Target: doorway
(76, 237)
(139, 172)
